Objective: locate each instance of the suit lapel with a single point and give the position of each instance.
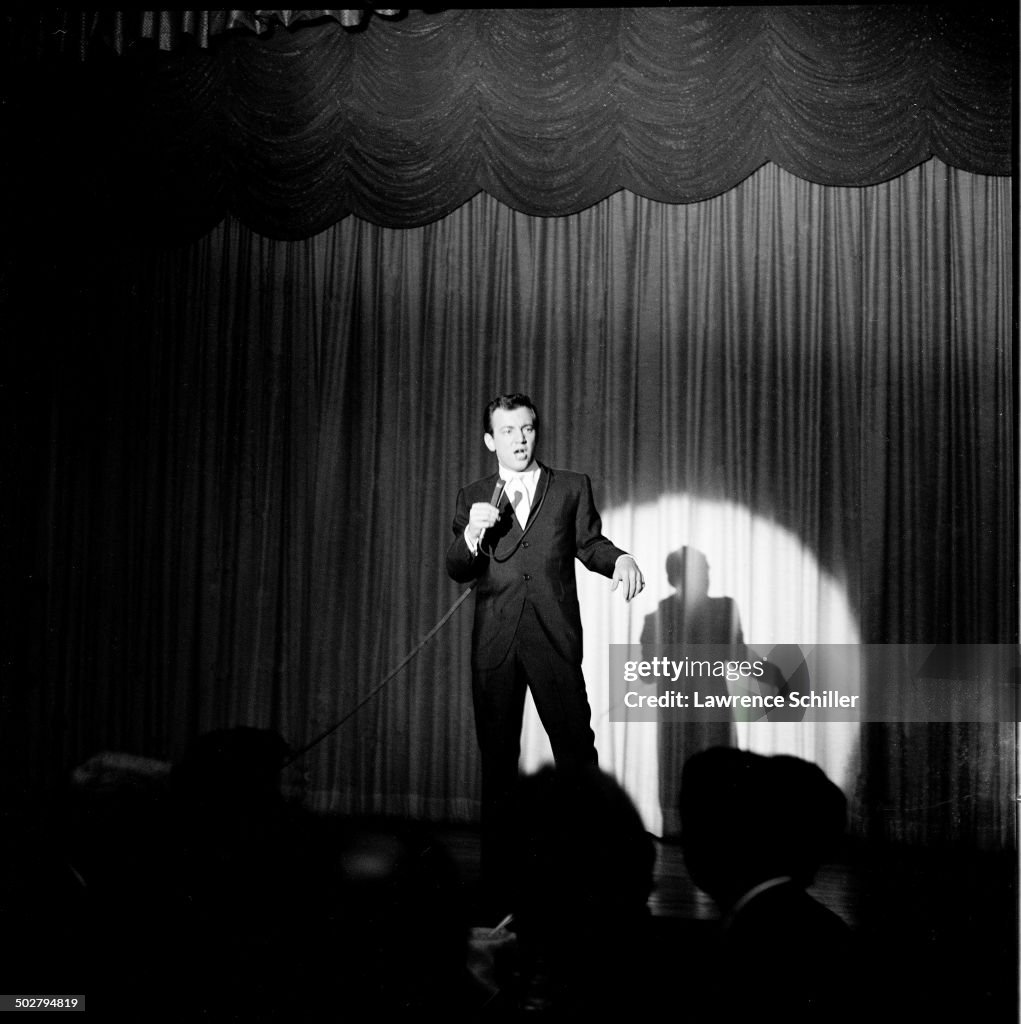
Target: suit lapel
(514, 532)
(537, 498)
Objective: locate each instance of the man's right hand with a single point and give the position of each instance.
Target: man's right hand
(481, 516)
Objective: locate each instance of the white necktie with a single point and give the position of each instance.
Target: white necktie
(519, 500)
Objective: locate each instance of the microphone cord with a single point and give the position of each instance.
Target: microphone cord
(497, 493)
(386, 679)
(528, 525)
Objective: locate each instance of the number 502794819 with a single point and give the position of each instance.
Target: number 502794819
(42, 1003)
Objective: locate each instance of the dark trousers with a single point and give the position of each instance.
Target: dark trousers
(558, 690)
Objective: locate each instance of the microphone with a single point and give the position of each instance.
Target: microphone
(494, 500)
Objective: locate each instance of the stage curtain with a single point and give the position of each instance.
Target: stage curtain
(547, 110)
(237, 462)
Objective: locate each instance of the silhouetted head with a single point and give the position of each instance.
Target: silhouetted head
(584, 850)
(687, 570)
(400, 921)
(746, 818)
(584, 866)
(237, 764)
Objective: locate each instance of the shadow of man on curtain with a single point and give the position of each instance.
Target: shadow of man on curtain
(691, 616)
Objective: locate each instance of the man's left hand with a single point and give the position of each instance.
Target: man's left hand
(626, 571)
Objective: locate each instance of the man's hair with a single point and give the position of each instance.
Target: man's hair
(508, 402)
(745, 813)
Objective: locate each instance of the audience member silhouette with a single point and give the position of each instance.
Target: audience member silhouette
(251, 883)
(401, 934)
(585, 874)
(198, 892)
(288, 915)
(755, 832)
(691, 616)
(83, 896)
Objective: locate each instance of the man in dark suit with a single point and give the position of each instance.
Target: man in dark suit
(517, 533)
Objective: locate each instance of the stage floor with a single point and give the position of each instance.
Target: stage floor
(936, 923)
(837, 886)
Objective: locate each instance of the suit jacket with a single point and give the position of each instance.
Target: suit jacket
(535, 564)
(797, 961)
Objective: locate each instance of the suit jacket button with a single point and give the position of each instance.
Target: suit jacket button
(526, 576)
(524, 543)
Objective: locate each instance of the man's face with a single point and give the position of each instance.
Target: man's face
(513, 438)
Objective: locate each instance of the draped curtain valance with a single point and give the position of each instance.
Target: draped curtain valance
(291, 124)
